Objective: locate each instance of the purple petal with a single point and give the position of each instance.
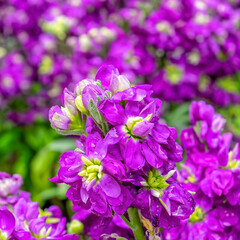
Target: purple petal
(143, 128)
(160, 133)
(104, 74)
(110, 186)
(150, 157)
(132, 155)
(112, 112)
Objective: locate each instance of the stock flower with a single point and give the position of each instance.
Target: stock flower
(172, 50)
(10, 185)
(20, 218)
(163, 201)
(99, 227)
(34, 224)
(10, 191)
(139, 134)
(111, 79)
(204, 141)
(85, 172)
(211, 172)
(218, 182)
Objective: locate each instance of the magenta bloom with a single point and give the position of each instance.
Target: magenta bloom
(163, 201)
(91, 173)
(98, 226)
(141, 138)
(10, 185)
(218, 182)
(10, 191)
(32, 224)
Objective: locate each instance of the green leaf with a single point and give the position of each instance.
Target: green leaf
(71, 132)
(62, 145)
(96, 115)
(177, 115)
(55, 192)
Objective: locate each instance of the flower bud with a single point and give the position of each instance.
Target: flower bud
(81, 85)
(140, 127)
(58, 119)
(75, 227)
(111, 80)
(119, 83)
(218, 123)
(80, 106)
(68, 100)
(91, 96)
(67, 119)
(92, 92)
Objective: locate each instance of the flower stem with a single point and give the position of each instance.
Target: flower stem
(126, 221)
(105, 130)
(137, 225)
(84, 121)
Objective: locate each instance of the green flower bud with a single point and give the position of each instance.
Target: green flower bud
(80, 106)
(75, 227)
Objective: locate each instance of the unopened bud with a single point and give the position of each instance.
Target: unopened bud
(75, 227)
(119, 83)
(81, 85)
(80, 106)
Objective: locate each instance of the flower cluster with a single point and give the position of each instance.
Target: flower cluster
(125, 156)
(190, 35)
(22, 219)
(211, 171)
(168, 44)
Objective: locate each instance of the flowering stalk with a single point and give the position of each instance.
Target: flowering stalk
(137, 225)
(126, 163)
(20, 218)
(211, 172)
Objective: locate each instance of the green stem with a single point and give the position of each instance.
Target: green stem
(104, 129)
(126, 221)
(137, 225)
(84, 120)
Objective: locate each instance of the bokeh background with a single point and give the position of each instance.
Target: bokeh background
(187, 50)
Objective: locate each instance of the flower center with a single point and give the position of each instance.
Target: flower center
(91, 170)
(197, 216)
(43, 233)
(174, 73)
(3, 235)
(156, 183)
(191, 179)
(47, 214)
(46, 65)
(164, 27)
(232, 161)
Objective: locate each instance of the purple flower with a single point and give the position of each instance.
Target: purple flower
(33, 223)
(162, 201)
(10, 191)
(111, 79)
(139, 134)
(25, 211)
(99, 227)
(218, 182)
(10, 185)
(85, 172)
